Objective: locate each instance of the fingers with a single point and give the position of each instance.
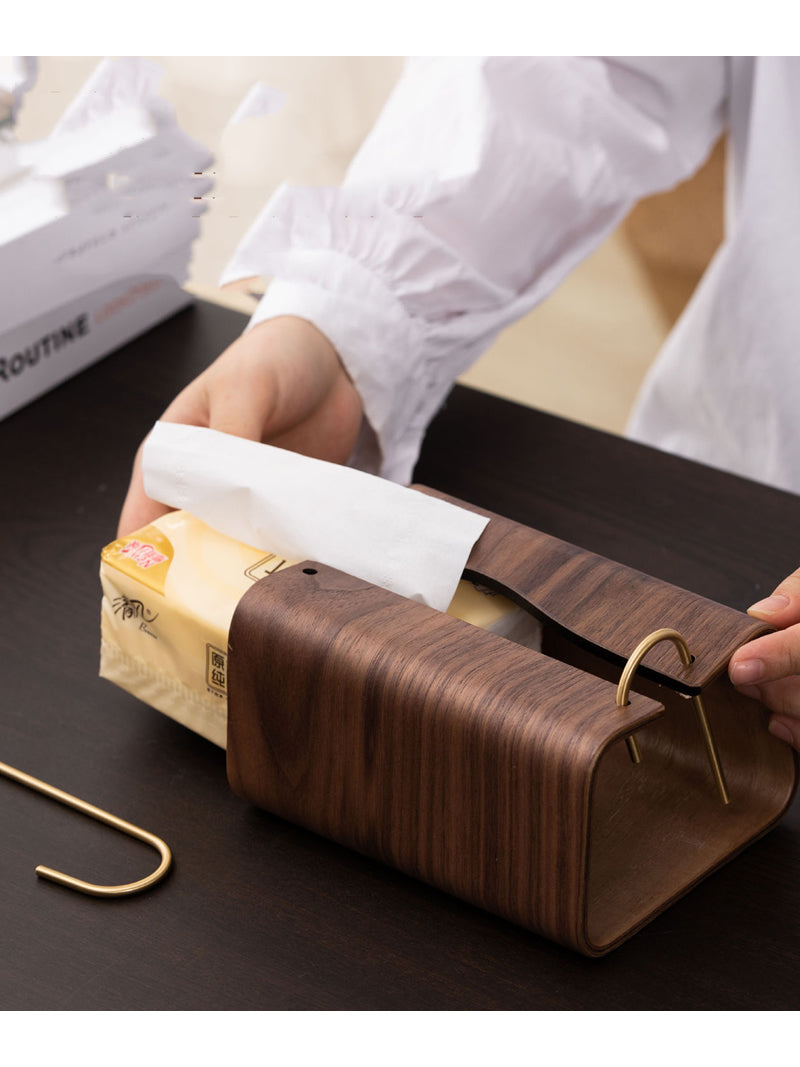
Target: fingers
(787, 729)
(138, 510)
(781, 696)
(189, 407)
(265, 383)
(782, 608)
(272, 379)
(331, 432)
(765, 670)
(766, 659)
(768, 669)
(240, 405)
(281, 383)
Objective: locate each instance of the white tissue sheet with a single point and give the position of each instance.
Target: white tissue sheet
(304, 508)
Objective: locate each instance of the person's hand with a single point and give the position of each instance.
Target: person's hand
(280, 383)
(768, 668)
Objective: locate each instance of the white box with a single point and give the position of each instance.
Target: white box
(46, 350)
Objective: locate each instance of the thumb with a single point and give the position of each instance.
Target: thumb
(138, 509)
(781, 608)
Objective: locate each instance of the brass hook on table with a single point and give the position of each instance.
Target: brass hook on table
(102, 816)
(623, 689)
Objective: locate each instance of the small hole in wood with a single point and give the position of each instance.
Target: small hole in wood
(309, 570)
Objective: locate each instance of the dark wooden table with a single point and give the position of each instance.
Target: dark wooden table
(259, 914)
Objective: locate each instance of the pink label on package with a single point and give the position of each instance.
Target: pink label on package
(142, 554)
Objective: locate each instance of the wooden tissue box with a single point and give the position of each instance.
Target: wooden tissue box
(502, 775)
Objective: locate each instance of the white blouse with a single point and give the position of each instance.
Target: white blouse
(487, 179)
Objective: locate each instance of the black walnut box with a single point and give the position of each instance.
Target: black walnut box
(527, 783)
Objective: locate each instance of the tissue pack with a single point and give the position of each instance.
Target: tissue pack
(169, 592)
(577, 786)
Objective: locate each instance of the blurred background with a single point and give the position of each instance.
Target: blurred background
(582, 354)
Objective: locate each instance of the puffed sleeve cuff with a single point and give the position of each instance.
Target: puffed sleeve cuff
(369, 335)
(367, 281)
(484, 183)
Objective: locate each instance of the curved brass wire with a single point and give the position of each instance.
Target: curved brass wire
(102, 816)
(641, 650)
(623, 691)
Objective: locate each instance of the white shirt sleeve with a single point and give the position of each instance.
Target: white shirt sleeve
(484, 182)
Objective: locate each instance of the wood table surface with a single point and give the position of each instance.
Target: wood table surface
(261, 915)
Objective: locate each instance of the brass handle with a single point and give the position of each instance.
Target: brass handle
(623, 691)
(102, 816)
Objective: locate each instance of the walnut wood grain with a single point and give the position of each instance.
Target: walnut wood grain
(603, 605)
(483, 768)
(261, 914)
(415, 738)
(656, 833)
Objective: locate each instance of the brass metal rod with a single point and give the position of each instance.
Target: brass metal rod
(634, 751)
(635, 658)
(623, 691)
(102, 816)
(711, 749)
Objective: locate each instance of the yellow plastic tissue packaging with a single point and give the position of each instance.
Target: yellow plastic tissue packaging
(169, 593)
